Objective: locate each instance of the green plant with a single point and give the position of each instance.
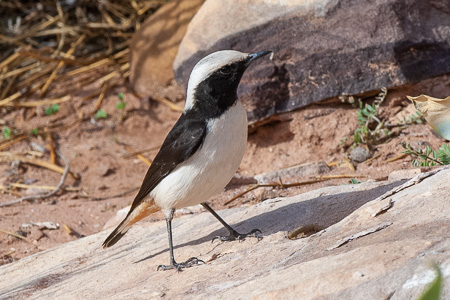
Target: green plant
(428, 157)
(354, 181)
(443, 154)
(101, 114)
(121, 104)
(367, 116)
(53, 109)
(35, 131)
(6, 132)
(416, 118)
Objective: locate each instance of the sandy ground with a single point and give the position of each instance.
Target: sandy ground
(97, 153)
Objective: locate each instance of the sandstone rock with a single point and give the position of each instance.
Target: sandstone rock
(391, 262)
(244, 15)
(406, 173)
(293, 173)
(154, 47)
(322, 48)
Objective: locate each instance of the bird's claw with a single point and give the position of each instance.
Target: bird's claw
(238, 236)
(179, 266)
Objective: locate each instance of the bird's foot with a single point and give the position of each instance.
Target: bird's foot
(179, 266)
(234, 235)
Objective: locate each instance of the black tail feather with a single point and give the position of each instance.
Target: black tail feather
(115, 236)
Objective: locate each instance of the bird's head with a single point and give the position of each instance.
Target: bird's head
(212, 86)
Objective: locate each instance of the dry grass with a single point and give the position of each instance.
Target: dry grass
(65, 44)
(49, 43)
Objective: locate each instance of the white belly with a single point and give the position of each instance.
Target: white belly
(209, 170)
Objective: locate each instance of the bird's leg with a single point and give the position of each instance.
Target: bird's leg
(173, 264)
(234, 235)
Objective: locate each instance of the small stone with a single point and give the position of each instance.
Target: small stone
(406, 174)
(103, 170)
(46, 225)
(26, 225)
(293, 173)
(264, 194)
(359, 154)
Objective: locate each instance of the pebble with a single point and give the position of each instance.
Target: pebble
(359, 154)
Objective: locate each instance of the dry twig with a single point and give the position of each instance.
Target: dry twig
(400, 156)
(50, 44)
(41, 196)
(8, 143)
(14, 234)
(37, 162)
(340, 176)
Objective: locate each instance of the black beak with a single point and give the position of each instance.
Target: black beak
(255, 56)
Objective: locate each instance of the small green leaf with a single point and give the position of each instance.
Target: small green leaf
(54, 108)
(443, 154)
(121, 105)
(354, 181)
(35, 131)
(120, 95)
(356, 138)
(101, 114)
(364, 130)
(6, 132)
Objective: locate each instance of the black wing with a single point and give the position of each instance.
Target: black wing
(181, 143)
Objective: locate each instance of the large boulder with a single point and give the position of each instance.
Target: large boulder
(377, 242)
(322, 48)
(155, 45)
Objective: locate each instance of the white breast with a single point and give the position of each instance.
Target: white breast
(209, 170)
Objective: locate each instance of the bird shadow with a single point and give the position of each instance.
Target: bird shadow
(323, 211)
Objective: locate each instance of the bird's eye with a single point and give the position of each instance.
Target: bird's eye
(225, 71)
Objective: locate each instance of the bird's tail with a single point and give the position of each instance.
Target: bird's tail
(134, 215)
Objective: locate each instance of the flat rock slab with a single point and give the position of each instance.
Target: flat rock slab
(372, 247)
(294, 172)
(322, 48)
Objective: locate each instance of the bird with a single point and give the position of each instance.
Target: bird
(202, 151)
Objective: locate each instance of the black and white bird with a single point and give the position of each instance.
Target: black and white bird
(202, 151)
